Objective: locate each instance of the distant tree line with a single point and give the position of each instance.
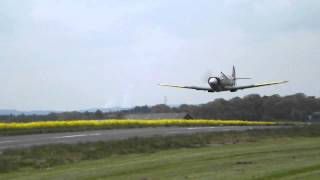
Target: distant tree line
(295, 107)
(73, 115)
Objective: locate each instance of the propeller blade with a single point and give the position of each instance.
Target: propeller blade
(206, 76)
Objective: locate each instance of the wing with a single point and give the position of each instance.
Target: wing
(254, 85)
(188, 87)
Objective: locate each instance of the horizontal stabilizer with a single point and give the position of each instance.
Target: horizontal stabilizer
(243, 78)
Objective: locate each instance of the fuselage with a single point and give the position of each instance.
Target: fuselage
(227, 81)
(221, 83)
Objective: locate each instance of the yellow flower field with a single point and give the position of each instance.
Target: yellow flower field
(124, 123)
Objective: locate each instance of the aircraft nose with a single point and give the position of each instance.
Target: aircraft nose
(213, 81)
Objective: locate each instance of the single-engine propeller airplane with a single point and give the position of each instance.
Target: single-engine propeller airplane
(224, 83)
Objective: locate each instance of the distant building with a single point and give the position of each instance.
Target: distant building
(145, 116)
(314, 117)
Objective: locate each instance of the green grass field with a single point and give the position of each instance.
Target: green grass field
(271, 158)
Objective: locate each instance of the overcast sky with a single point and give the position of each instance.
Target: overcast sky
(78, 54)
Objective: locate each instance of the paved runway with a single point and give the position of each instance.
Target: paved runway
(106, 135)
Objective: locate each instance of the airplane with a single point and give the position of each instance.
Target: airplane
(224, 83)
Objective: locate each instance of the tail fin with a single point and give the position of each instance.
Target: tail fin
(234, 73)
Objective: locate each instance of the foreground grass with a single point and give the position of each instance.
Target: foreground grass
(48, 156)
(78, 125)
(281, 158)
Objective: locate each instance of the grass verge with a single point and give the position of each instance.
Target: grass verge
(273, 156)
(47, 156)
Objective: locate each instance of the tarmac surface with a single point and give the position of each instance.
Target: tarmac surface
(21, 141)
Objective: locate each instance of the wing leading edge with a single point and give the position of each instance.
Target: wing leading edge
(188, 87)
(225, 88)
(255, 85)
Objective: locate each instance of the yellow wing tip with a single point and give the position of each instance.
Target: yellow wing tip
(163, 85)
(171, 85)
(282, 82)
(272, 83)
